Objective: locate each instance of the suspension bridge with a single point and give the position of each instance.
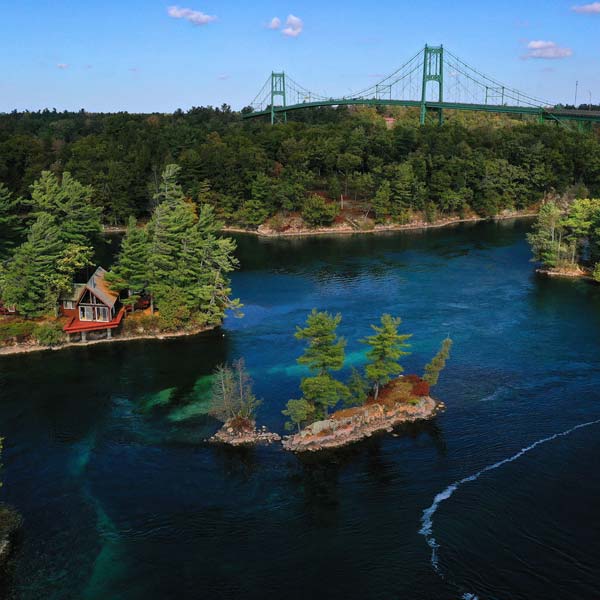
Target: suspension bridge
(433, 80)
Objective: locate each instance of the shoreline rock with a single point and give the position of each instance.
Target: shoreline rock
(574, 274)
(10, 525)
(352, 425)
(345, 229)
(247, 435)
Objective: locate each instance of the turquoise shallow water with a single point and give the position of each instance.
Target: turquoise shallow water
(123, 500)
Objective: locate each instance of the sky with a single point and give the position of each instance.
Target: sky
(155, 56)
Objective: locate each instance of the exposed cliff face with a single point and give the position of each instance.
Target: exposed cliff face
(353, 424)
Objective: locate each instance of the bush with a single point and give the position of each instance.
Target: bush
(15, 331)
(317, 211)
(420, 389)
(49, 334)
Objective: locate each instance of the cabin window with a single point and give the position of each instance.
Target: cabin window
(69, 304)
(86, 313)
(102, 313)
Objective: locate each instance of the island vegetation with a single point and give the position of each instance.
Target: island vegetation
(565, 238)
(331, 412)
(176, 266)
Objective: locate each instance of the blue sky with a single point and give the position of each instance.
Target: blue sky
(149, 55)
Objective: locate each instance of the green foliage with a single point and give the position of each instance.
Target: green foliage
(386, 347)
(358, 388)
(596, 273)
(251, 214)
(49, 334)
(231, 395)
(10, 226)
(382, 203)
(131, 269)
(15, 331)
(317, 211)
(562, 238)
(324, 353)
(437, 364)
(179, 259)
(299, 413)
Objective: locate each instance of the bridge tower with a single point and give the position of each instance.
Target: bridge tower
(278, 89)
(433, 70)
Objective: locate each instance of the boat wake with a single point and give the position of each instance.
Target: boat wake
(427, 519)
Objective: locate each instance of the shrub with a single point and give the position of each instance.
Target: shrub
(317, 211)
(49, 334)
(15, 331)
(420, 389)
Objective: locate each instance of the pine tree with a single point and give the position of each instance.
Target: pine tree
(33, 279)
(70, 203)
(382, 202)
(437, 364)
(131, 269)
(324, 353)
(10, 229)
(387, 346)
(232, 396)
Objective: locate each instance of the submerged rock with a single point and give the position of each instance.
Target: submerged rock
(236, 432)
(10, 525)
(351, 425)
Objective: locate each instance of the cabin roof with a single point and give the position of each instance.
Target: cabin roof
(99, 287)
(75, 294)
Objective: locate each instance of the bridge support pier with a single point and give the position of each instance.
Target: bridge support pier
(278, 89)
(433, 70)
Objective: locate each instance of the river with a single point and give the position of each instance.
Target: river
(123, 500)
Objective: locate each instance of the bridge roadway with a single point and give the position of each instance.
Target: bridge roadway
(543, 113)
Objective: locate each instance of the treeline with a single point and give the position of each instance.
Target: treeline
(249, 171)
(177, 261)
(566, 238)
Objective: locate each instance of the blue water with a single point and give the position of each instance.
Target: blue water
(122, 498)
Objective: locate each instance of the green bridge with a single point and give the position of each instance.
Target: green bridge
(432, 81)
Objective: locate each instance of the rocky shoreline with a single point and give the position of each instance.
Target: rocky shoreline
(245, 435)
(24, 348)
(10, 525)
(352, 425)
(345, 229)
(570, 274)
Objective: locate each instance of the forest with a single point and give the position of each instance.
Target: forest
(250, 171)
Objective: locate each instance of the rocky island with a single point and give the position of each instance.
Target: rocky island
(351, 425)
(243, 432)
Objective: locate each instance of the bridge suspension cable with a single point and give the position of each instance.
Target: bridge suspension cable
(433, 79)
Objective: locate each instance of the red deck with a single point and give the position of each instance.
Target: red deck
(75, 325)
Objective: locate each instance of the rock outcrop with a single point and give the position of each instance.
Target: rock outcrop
(353, 424)
(10, 524)
(236, 434)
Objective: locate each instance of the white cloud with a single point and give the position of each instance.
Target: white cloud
(294, 26)
(274, 23)
(193, 16)
(62, 66)
(587, 9)
(547, 50)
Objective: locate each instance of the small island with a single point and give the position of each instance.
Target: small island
(377, 400)
(565, 238)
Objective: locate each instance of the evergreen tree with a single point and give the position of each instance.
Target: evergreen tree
(387, 346)
(324, 353)
(70, 203)
(10, 229)
(358, 387)
(299, 412)
(131, 269)
(382, 204)
(33, 279)
(437, 364)
(546, 235)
